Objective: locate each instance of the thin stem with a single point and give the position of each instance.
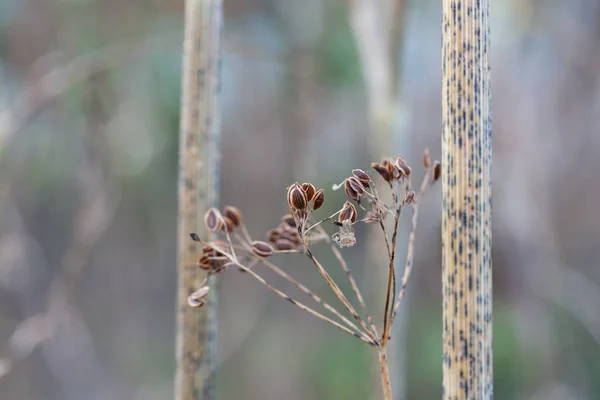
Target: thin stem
(391, 291)
(311, 294)
(336, 252)
(410, 252)
(338, 292)
(304, 289)
(385, 374)
(293, 301)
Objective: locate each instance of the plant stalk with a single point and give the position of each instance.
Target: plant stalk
(467, 201)
(385, 374)
(198, 189)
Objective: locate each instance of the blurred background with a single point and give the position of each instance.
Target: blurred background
(89, 114)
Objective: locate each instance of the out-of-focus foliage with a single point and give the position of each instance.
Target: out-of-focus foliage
(88, 196)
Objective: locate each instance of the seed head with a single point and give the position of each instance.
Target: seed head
(401, 166)
(296, 197)
(229, 224)
(383, 171)
(362, 176)
(261, 249)
(437, 170)
(318, 199)
(350, 185)
(284, 244)
(212, 222)
(289, 221)
(410, 197)
(234, 214)
(309, 190)
(348, 213)
(272, 235)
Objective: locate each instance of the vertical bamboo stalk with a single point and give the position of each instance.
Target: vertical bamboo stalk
(466, 201)
(198, 189)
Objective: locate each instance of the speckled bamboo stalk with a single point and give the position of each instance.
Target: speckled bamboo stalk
(198, 183)
(466, 202)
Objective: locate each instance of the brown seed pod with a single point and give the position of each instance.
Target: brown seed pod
(234, 214)
(284, 244)
(289, 221)
(402, 166)
(212, 222)
(350, 191)
(204, 263)
(426, 158)
(437, 170)
(229, 224)
(362, 177)
(383, 171)
(348, 212)
(388, 164)
(296, 197)
(309, 190)
(410, 197)
(272, 235)
(318, 199)
(356, 185)
(261, 249)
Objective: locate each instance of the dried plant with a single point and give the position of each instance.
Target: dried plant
(299, 231)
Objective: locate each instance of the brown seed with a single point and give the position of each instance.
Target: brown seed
(204, 263)
(362, 176)
(401, 165)
(296, 197)
(383, 171)
(284, 244)
(426, 158)
(356, 185)
(261, 249)
(437, 170)
(318, 199)
(289, 221)
(388, 164)
(309, 190)
(212, 222)
(410, 197)
(234, 214)
(348, 212)
(272, 235)
(229, 224)
(350, 192)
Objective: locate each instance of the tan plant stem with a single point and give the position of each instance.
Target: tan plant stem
(338, 292)
(302, 288)
(293, 301)
(385, 374)
(311, 294)
(198, 182)
(351, 280)
(466, 199)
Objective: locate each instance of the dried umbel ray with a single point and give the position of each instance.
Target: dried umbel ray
(298, 231)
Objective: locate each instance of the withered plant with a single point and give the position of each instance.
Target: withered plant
(300, 230)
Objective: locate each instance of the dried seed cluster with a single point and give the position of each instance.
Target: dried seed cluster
(229, 220)
(298, 230)
(299, 197)
(285, 236)
(213, 260)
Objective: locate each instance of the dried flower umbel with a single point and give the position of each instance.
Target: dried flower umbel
(298, 231)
